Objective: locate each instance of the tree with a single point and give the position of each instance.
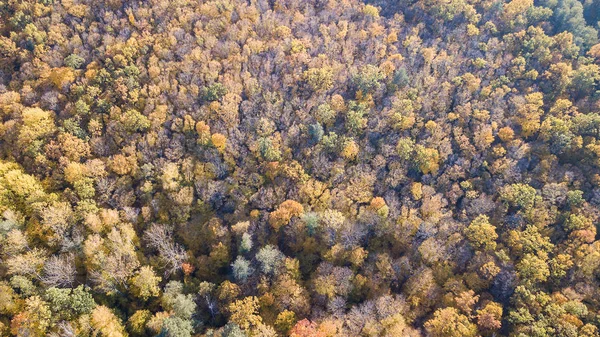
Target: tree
(59, 271)
(355, 117)
(268, 150)
(112, 259)
(285, 321)
(104, 322)
(489, 317)
(213, 92)
(305, 328)
(520, 195)
(529, 114)
(270, 259)
(8, 299)
(405, 148)
(70, 303)
(74, 61)
(37, 124)
(233, 330)
(532, 269)
(325, 114)
(176, 327)
(284, 213)
(568, 16)
(368, 79)
(481, 234)
(134, 121)
(426, 159)
(448, 322)
(144, 284)
(173, 300)
(34, 320)
(244, 313)
(319, 79)
(241, 269)
(315, 131)
(136, 324)
(160, 238)
(585, 79)
(219, 141)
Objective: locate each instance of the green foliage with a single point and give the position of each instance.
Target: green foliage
(568, 15)
(520, 195)
(232, 330)
(426, 159)
(325, 114)
(585, 80)
(355, 117)
(532, 269)
(213, 92)
(246, 243)
(311, 220)
(82, 108)
(268, 150)
(182, 305)
(368, 79)
(74, 61)
(575, 198)
(176, 327)
(134, 121)
(70, 303)
(23, 285)
(405, 148)
(331, 142)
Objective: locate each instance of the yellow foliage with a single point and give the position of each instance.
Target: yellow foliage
(245, 312)
(219, 141)
(350, 150)
(105, 323)
(514, 8)
(61, 77)
(284, 213)
(372, 11)
(506, 134)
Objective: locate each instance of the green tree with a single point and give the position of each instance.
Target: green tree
(368, 79)
(176, 327)
(214, 92)
(134, 121)
(520, 195)
(70, 303)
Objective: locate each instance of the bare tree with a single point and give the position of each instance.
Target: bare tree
(160, 238)
(64, 330)
(59, 271)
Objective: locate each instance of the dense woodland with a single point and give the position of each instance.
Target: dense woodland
(302, 168)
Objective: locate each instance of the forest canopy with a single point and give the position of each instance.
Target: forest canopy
(301, 168)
